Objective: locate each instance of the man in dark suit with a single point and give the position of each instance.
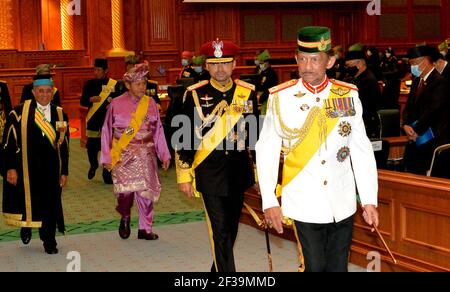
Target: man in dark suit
(369, 90)
(426, 115)
(97, 95)
(220, 169)
(37, 164)
(441, 65)
(43, 72)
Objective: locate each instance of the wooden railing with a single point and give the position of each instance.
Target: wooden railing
(414, 221)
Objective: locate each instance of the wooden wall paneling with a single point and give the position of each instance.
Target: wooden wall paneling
(160, 32)
(8, 58)
(30, 24)
(51, 24)
(192, 31)
(7, 33)
(163, 66)
(80, 22)
(133, 21)
(99, 28)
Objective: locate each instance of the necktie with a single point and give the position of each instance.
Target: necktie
(420, 88)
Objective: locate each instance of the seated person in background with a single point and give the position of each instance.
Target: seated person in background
(441, 65)
(43, 72)
(198, 63)
(391, 79)
(369, 90)
(268, 78)
(426, 116)
(186, 61)
(338, 70)
(444, 48)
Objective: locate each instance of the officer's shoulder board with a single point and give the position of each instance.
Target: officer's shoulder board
(153, 82)
(245, 84)
(3, 81)
(197, 85)
(344, 84)
(283, 86)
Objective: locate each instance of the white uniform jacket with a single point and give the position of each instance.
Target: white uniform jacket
(324, 191)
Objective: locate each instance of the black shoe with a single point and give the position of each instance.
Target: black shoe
(51, 250)
(124, 229)
(107, 178)
(91, 173)
(25, 235)
(142, 234)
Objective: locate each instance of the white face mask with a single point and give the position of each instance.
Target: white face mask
(257, 63)
(185, 62)
(388, 55)
(263, 66)
(443, 53)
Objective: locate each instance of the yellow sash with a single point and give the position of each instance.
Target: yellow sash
(297, 159)
(221, 129)
(104, 96)
(45, 126)
(137, 119)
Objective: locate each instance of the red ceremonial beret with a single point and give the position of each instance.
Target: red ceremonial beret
(187, 55)
(219, 51)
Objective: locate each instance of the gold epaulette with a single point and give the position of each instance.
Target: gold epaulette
(198, 85)
(153, 81)
(344, 84)
(283, 86)
(3, 81)
(245, 84)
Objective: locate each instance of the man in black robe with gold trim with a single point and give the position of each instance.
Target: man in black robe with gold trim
(223, 118)
(36, 151)
(97, 95)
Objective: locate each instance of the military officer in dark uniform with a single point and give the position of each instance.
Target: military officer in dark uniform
(220, 169)
(42, 72)
(97, 95)
(369, 90)
(426, 116)
(268, 78)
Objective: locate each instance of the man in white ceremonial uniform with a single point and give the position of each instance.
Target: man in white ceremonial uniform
(317, 125)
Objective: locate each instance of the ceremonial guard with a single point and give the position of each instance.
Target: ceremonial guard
(317, 125)
(268, 78)
(216, 165)
(36, 149)
(186, 61)
(97, 95)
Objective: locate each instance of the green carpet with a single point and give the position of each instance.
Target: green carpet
(89, 206)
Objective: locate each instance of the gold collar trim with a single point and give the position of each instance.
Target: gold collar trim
(220, 87)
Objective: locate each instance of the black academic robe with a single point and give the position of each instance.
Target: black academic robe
(45, 166)
(5, 98)
(27, 94)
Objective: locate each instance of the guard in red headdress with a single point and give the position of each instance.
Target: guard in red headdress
(217, 164)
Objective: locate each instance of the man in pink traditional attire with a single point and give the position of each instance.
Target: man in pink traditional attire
(132, 140)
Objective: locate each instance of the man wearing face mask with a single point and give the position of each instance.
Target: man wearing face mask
(268, 78)
(369, 91)
(201, 73)
(186, 61)
(426, 116)
(443, 49)
(338, 70)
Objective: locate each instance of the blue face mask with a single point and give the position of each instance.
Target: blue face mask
(185, 62)
(198, 69)
(415, 71)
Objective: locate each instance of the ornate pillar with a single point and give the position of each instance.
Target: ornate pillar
(6, 25)
(67, 26)
(118, 37)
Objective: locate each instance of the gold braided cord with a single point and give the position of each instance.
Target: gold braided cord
(300, 134)
(217, 112)
(67, 28)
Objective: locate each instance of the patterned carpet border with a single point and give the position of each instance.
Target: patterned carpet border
(112, 225)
